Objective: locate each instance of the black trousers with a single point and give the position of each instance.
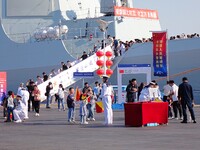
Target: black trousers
(177, 108)
(31, 102)
(185, 104)
(37, 106)
(166, 99)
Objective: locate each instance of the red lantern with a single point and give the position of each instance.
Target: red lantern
(108, 54)
(109, 72)
(100, 72)
(109, 63)
(99, 53)
(100, 63)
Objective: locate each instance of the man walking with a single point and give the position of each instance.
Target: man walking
(175, 104)
(185, 95)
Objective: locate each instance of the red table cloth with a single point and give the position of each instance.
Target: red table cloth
(142, 113)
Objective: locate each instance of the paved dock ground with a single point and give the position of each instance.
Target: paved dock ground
(51, 131)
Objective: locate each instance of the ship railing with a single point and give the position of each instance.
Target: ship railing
(92, 13)
(66, 77)
(79, 33)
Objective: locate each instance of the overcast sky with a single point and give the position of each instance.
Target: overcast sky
(178, 16)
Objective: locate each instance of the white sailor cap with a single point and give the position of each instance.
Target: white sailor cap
(19, 95)
(152, 83)
(105, 76)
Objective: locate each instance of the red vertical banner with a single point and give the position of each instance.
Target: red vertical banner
(160, 53)
(3, 85)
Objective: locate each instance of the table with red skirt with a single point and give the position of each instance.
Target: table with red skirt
(141, 113)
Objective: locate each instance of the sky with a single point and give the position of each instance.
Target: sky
(177, 16)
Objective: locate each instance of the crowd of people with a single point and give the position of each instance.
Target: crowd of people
(30, 95)
(17, 108)
(28, 98)
(178, 97)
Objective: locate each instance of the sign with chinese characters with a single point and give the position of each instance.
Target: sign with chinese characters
(130, 69)
(3, 84)
(135, 12)
(159, 53)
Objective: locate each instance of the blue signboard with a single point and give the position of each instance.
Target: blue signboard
(83, 74)
(133, 65)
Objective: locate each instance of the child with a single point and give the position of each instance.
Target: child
(71, 106)
(10, 107)
(83, 110)
(91, 105)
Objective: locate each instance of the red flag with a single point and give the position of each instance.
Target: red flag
(99, 107)
(77, 94)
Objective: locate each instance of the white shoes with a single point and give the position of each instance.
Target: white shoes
(37, 115)
(92, 119)
(18, 121)
(84, 123)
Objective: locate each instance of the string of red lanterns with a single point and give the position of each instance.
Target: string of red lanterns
(107, 64)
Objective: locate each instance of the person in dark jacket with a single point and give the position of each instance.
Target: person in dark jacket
(71, 105)
(30, 86)
(64, 66)
(84, 56)
(185, 95)
(132, 91)
(45, 76)
(49, 87)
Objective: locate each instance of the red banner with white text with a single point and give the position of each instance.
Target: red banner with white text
(135, 12)
(3, 85)
(159, 53)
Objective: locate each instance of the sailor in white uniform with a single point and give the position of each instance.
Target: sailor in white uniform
(150, 93)
(145, 93)
(106, 93)
(21, 86)
(18, 111)
(25, 97)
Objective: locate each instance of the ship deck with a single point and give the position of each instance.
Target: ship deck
(51, 131)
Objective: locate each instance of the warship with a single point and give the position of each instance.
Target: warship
(36, 35)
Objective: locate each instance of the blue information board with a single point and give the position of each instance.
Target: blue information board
(83, 74)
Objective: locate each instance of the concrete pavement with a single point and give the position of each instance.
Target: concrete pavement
(51, 131)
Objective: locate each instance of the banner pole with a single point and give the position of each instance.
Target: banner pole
(168, 73)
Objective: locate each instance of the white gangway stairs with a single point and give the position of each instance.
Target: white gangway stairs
(66, 77)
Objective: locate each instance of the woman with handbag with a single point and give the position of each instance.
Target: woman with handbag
(37, 98)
